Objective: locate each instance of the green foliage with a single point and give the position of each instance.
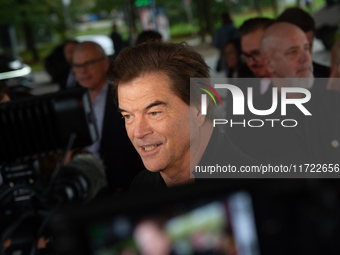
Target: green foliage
(46, 17)
(48, 23)
(105, 6)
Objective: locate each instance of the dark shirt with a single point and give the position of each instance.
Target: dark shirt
(120, 158)
(320, 71)
(220, 150)
(313, 140)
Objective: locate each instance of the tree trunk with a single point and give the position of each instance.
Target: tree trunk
(28, 33)
(201, 15)
(133, 14)
(208, 17)
(275, 8)
(30, 42)
(258, 7)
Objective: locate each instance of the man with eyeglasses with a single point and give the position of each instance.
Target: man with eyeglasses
(90, 65)
(314, 138)
(251, 32)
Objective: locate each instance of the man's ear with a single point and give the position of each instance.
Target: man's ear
(198, 116)
(269, 64)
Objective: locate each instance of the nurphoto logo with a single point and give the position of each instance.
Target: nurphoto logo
(239, 104)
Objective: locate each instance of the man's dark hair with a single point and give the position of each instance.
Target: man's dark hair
(70, 41)
(251, 25)
(226, 19)
(298, 17)
(148, 36)
(178, 61)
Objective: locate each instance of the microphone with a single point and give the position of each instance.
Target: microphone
(80, 180)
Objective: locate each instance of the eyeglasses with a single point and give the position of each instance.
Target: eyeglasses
(255, 56)
(87, 64)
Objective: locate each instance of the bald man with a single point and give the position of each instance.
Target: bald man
(286, 54)
(302, 19)
(287, 58)
(90, 65)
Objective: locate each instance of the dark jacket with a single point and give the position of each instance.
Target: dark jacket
(121, 159)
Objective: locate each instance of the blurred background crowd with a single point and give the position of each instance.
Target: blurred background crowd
(34, 31)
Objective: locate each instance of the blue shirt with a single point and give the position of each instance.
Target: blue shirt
(99, 112)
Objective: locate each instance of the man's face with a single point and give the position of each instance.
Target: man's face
(230, 56)
(90, 68)
(250, 44)
(157, 122)
(68, 51)
(291, 57)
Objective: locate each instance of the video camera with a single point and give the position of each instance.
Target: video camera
(31, 129)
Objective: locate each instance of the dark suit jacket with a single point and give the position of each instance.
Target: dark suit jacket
(314, 140)
(117, 152)
(276, 145)
(320, 71)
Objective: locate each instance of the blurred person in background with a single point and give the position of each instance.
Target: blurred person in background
(58, 64)
(233, 59)
(225, 33)
(286, 55)
(237, 68)
(90, 65)
(118, 42)
(71, 81)
(305, 22)
(148, 36)
(251, 34)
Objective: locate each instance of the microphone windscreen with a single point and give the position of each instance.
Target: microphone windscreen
(89, 167)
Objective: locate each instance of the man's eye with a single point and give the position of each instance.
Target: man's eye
(127, 116)
(293, 52)
(153, 113)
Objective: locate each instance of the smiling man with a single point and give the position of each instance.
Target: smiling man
(167, 128)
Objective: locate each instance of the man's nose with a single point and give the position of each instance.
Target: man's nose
(141, 127)
(305, 56)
